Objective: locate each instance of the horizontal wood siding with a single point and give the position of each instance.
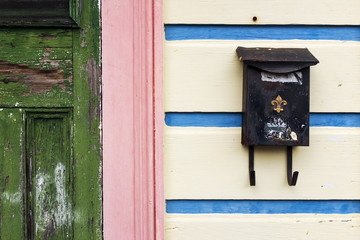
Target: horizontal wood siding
(206, 168)
(211, 163)
(262, 227)
(206, 76)
(267, 12)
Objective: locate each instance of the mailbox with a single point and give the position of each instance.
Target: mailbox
(276, 86)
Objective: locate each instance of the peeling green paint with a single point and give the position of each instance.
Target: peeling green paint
(87, 72)
(49, 194)
(11, 191)
(49, 71)
(16, 94)
(36, 59)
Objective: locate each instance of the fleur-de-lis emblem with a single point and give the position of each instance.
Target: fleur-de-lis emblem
(277, 103)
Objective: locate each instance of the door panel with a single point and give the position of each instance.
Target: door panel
(11, 174)
(49, 185)
(36, 67)
(50, 168)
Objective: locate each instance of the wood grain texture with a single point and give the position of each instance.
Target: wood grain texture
(211, 163)
(36, 67)
(206, 76)
(132, 84)
(39, 13)
(158, 116)
(267, 12)
(49, 176)
(11, 174)
(262, 227)
(87, 124)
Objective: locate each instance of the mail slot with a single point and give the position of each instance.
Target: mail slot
(276, 84)
(276, 96)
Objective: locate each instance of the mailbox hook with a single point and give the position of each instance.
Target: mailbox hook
(251, 166)
(291, 177)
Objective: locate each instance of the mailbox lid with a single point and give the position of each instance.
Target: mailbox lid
(277, 60)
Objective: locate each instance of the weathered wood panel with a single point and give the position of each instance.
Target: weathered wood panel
(266, 12)
(36, 67)
(87, 123)
(34, 8)
(206, 76)
(11, 175)
(262, 227)
(37, 70)
(211, 163)
(49, 176)
(39, 12)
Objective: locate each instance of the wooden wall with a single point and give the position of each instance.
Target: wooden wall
(207, 189)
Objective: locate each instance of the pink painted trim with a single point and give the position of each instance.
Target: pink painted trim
(132, 34)
(159, 120)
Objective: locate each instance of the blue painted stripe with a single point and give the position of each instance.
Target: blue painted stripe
(264, 32)
(203, 119)
(263, 206)
(335, 120)
(196, 119)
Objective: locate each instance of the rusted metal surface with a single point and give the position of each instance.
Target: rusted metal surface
(280, 55)
(277, 60)
(276, 96)
(291, 176)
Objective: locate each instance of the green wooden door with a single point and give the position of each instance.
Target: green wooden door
(50, 164)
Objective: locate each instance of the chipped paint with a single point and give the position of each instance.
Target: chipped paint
(62, 213)
(276, 128)
(11, 197)
(44, 64)
(35, 70)
(11, 194)
(293, 136)
(87, 91)
(93, 75)
(294, 77)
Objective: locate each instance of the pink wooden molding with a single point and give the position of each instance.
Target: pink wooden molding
(133, 204)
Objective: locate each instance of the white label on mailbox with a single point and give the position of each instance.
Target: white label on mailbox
(276, 128)
(295, 77)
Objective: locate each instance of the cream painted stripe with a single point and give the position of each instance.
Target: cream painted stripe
(211, 163)
(262, 227)
(267, 12)
(207, 75)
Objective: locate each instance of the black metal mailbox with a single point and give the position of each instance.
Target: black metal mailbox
(276, 86)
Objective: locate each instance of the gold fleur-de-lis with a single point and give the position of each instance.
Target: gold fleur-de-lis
(278, 102)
